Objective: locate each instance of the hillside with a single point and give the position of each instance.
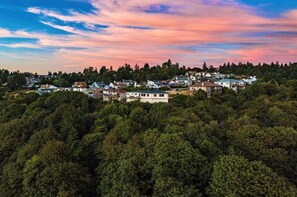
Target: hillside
(67, 144)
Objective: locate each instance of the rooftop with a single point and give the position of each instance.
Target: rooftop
(150, 91)
(115, 90)
(80, 85)
(230, 81)
(47, 86)
(205, 84)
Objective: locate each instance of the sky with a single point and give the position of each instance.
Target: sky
(70, 35)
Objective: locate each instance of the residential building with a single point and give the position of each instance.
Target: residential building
(233, 84)
(209, 87)
(94, 93)
(154, 84)
(237, 87)
(227, 83)
(148, 96)
(79, 87)
(250, 80)
(65, 89)
(46, 89)
(115, 85)
(218, 75)
(128, 83)
(101, 85)
(114, 94)
(182, 80)
(33, 80)
(193, 75)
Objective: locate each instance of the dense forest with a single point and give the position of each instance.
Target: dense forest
(66, 144)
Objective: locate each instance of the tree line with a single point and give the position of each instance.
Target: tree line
(265, 72)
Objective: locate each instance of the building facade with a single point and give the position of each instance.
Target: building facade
(79, 87)
(46, 89)
(233, 84)
(148, 96)
(209, 87)
(114, 94)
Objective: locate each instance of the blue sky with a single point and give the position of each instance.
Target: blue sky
(13, 14)
(42, 35)
(271, 8)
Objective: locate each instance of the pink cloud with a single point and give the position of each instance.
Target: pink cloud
(166, 35)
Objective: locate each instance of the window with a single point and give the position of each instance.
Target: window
(162, 95)
(155, 95)
(147, 95)
(142, 95)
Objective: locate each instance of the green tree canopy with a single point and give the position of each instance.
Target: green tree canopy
(236, 176)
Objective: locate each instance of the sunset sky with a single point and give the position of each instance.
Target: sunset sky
(69, 35)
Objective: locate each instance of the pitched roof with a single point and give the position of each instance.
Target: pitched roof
(150, 91)
(115, 90)
(44, 86)
(230, 81)
(47, 86)
(181, 77)
(80, 85)
(205, 84)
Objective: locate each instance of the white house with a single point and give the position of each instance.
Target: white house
(128, 83)
(153, 84)
(250, 80)
(233, 84)
(182, 80)
(148, 96)
(33, 80)
(114, 85)
(65, 89)
(98, 85)
(229, 82)
(46, 89)
(79, 87)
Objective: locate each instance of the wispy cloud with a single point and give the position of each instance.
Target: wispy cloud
(149, 31)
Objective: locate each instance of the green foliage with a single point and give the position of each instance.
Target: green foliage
(266, 72)
(274, 146)
(29, 98)
(56, 179)
(4, 75)
(179, 169)
(12, 111)
(16, 80)
(11, 180)
(53, 152)
(200, 95)
(13, 135)
(61, 83)
(66, 144)
(236, 176)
